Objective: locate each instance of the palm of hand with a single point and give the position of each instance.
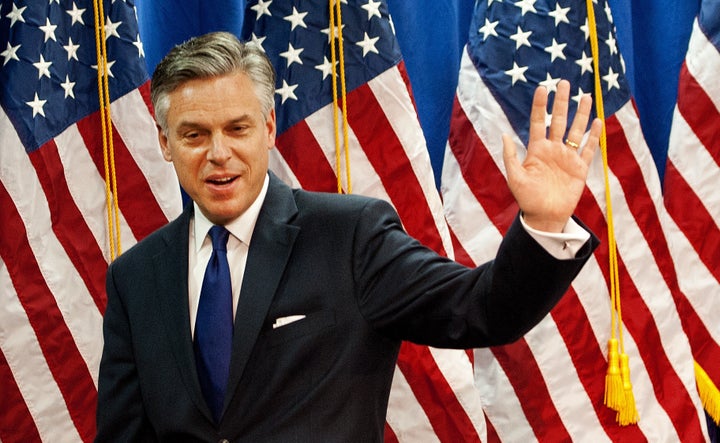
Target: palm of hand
(549, 182)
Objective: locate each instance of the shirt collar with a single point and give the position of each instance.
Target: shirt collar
(241, 228)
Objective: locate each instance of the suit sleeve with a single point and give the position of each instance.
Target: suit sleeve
(408, 292)
(120, 412)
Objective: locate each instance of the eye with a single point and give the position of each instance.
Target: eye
(191, 135)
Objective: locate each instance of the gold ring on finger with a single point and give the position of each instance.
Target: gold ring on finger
(572, 144)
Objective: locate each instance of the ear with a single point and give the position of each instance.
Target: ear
(164, 147)
(271, 127)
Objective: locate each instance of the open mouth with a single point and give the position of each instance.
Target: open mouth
(222, 181)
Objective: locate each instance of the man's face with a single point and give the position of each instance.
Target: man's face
(218, 142)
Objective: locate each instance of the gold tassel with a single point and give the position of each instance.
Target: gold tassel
(614, 397)
(709, 393)
(628, 414)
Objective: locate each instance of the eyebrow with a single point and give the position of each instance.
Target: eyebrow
(194, 125)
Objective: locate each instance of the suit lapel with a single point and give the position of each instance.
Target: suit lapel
(270, 248)
(171, 269)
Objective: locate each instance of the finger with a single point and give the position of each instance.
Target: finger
(593, 141)
(537, 115)
(582, 116)
(558, 122)
(510, 155)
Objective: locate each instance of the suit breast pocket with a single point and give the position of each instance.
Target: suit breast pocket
(298, 326)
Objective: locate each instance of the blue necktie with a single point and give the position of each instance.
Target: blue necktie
(214, 324)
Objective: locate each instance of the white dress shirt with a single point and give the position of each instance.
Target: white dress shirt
(562, 245)
(200, 249)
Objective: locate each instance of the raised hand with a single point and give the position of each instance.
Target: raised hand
(549, 182)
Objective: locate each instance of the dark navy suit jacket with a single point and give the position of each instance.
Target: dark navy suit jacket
(363, 285)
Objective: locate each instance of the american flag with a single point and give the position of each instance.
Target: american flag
(549, 386)
(432, 396)
(691, 196)
(54, 245)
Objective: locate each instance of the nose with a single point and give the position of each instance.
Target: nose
(220, 150)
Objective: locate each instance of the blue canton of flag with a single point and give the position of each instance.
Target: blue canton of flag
(521, 44)
(49, 63)
(297, 40)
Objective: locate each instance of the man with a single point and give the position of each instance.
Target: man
(323, 287)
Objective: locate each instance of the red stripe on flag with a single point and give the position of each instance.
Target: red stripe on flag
(16, 423)
(445, 413)
(681, 200)
(481, 173)
(56, 341)
(402, 69)
(144, 90)
(670, 392)
(461, 255)
(640, 202)
(135, 198)
(387, 156)
(697, 109)
(303, 154)
(538, 407)
(390, 436)
(589, 361)
(492, 435)
(68, 223)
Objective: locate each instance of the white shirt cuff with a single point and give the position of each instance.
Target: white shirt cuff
(561, 245)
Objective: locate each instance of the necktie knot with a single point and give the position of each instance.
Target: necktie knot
(219, 237)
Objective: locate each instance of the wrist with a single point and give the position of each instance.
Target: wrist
(544, 224)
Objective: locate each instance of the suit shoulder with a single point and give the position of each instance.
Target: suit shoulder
(327, 201)
(328, 208)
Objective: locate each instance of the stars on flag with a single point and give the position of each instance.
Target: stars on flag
(49, 30)
(488, 29)
(111, 29)
(49, 57)
(372, 8)
(521, 38)
(16, 15)
(368, 44)
(71, 50)
(37, 106)
(10, 53)
(533, 42)
(76, 14)
(296, 19)
(298, 39)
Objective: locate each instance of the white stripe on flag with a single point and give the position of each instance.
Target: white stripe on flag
(87, 188)
(78, 309)
(364, 177)
(405, 416)
(30, 370)
(135, 125)
(499, 399)
(391, 93)
(457, 369)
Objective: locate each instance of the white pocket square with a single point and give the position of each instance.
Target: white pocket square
(282, 321)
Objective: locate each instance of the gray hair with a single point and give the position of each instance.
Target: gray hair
(211, 55)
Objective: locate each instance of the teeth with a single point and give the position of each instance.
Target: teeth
(222, 180)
